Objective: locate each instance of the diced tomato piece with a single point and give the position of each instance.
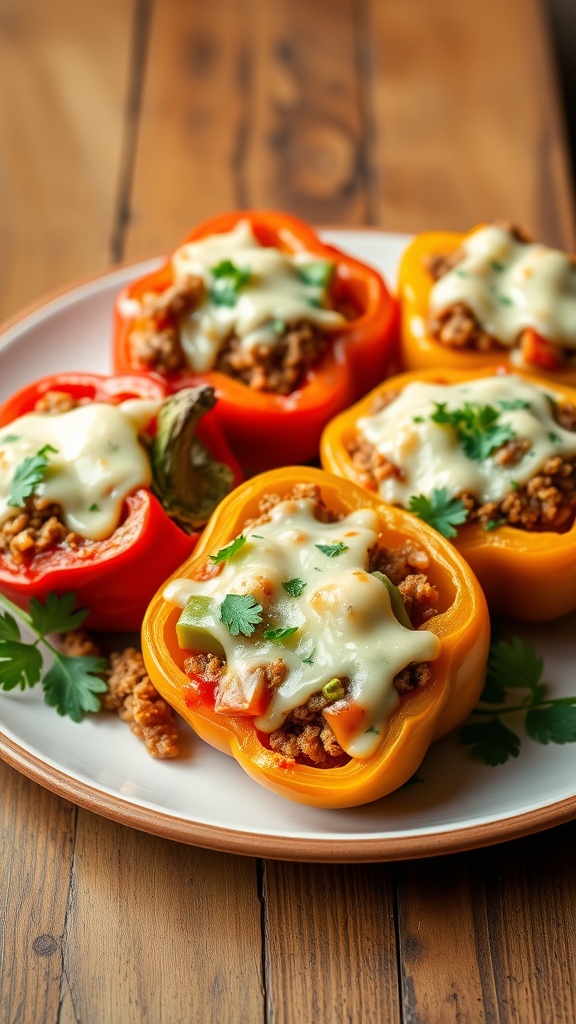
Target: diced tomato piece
(538, 351)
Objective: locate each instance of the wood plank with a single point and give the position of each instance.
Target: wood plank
(491, 936)
(159, 932)
(330, 943)
(252, 105)
(466, 122)
(36, 870)
(66, 68)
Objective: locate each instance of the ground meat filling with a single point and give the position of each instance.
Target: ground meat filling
(457, 326)
(305, 736)
(39, 525)
(280, 368)
(132, 695)
(546, 502)
(35, 529)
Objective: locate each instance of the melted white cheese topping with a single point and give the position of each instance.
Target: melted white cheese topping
(96, 463)
(345, 624)
(430, 455)
(273, 296)
(511, 285)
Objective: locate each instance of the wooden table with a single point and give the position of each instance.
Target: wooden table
(122, 123)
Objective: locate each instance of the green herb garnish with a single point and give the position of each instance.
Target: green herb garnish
(279, 634)
(514, 665)
(477, 428)
(225, 554)
(240, 613)
(295, 587)
(29, 473)
(493, 524)
(440, 510)
(71, 684)
(317, 274)
(332, 550)
(228, 279)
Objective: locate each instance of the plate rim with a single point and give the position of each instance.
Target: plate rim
(282, 847)
(321, 849)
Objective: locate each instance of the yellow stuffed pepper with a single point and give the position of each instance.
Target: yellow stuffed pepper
(320, 638)
(490, 296)
(489, 459)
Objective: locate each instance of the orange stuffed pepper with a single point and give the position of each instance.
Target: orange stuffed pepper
(286, 329)
(320, 638)
(489, 458)
(490, 296)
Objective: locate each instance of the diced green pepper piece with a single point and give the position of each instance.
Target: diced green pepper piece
(196, 626)
(333, 690)
(396, 602)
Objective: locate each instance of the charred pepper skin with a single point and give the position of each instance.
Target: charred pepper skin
(529, 576)
(116, 577)
(265, 429)
(419, 718)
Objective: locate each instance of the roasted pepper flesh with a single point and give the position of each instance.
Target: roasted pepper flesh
(418, 717)
(265, 429)
(420, 350)
(525, 575)
(114, 577)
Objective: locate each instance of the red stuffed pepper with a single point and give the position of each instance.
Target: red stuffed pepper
(104, 484)
(288, 330)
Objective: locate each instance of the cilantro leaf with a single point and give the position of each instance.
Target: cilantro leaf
(553, 724)
(228, 280)
(72, 683)
(295, 587)
(515, 664)
(477, 428)
(8, 627)
(28, 474)
(225, 554)
(317, 274)
(58, 614)
(332, 550)
(493, 524)
(440, 510)
(491, 741)
(511, 404)
(240, 613)
(279, 634)
(20, 665)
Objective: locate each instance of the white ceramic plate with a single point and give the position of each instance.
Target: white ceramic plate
(204, 798)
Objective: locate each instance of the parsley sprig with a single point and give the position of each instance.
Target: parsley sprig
(515, 666)
(28, 474)
(440, 510)
(71, 683)
(477, 427)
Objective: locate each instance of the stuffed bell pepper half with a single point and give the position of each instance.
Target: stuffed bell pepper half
(104, 485)
(469, 301)
(320, 638)
(489, 459)
(287, 330)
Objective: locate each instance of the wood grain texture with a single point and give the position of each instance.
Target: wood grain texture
(455, 138)
(64, 77)
(160, 933)
(491, 936)
(330, 943)
(36, 855)
(122, 124)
